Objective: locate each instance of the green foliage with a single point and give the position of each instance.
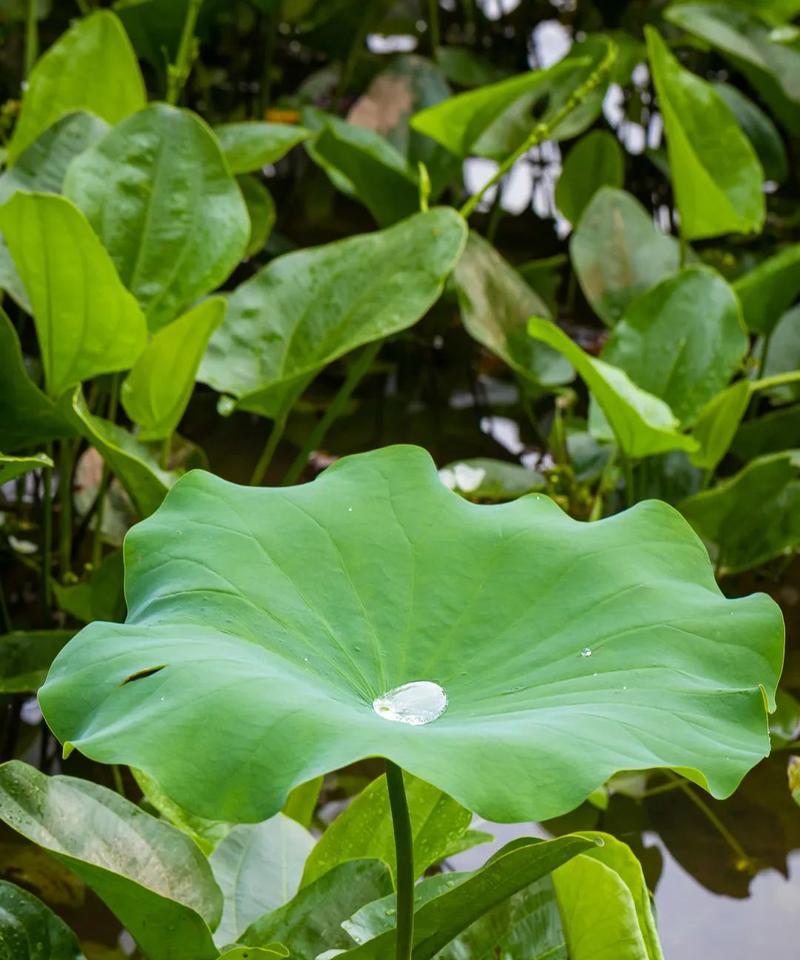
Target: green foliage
(596, 161)
(30, 931)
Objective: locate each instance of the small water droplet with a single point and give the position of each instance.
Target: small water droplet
(586, 652)
(349, 509)
(417, 703)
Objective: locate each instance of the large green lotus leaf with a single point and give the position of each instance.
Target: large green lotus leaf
(496, 304)
(86, 321)
(753, 516)
(618, 253)
(716, 175)
(29, 930)
(258, 867)
(749, 43)
(682, 341)
(364, 165)
(92, 67)
(28, 417)
(249, 146)
(538, 628)
(131, 460)
(159, 193)
(25, 657)
(307, 308)
(157, 390)
(311, 922)
(760, 131)
(12, 467)
(594, 162)
(642, 424)
(526, 926)
(43, 165)
(364, 830)
(440, 920)
(495, 119)
(151, 876)
(769, 289)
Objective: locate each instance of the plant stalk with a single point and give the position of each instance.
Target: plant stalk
(542, 131)
(404, 854)
(105, 480)
(178, 72)
(31, 37)
(433, 25)
(274, 438)
(355, 375)
(65, 464)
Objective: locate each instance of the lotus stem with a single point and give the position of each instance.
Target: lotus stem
(47, 533)
(355, 375)
(65, 465)
(31, 37)
(274, 438)
(404, 855)
(433, 24)
(543, 131)
(178, 72)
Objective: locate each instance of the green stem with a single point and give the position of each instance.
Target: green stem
(433, 25)
(105, 480)
(31, 37)
(356, 49)
(270, 29)
(542, 131)
(630, 492)
(356, 373)
(178, 72)
(777, 380)
(47, 533)
(65, 463)
(274, 438)
(714, 820)
(5, 615)
(404, 854)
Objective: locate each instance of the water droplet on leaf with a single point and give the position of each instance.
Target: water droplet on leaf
(416, 703)
(586, 652)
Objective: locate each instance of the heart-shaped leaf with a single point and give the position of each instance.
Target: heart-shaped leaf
(258, 867)
(496, 304)
(92, 67)
(152, 876)
(769, 289)
(715, 172)
(537, 629)
(249, 146)
(642, 424)
(28, 417)
(310, 923)
(31, 931)
(86, 321)
(160, 195)
(618, 253)
(682, 341)
(594, 162)
(157, 390)
(364, 830)
(308, 308)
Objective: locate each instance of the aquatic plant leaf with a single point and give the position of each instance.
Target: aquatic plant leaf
(311, 922)
(150, 875)
(306, 309)
(496, 304)
(29, 930)
(618, 253)
(258, 867)
(716, 175)
(25, 657)
(747, 41)
(131, 460)
(769, 289)
(86, 321)
(682, 341)
(28, 417)
(717, 423)
(156, 392)
(594, 162)
(440, 920)
(250, 145)
(641, 423)
(540, 630)
(260, 210)
(159, 193)
(364, 830)
(12, 467)
(760, 131)
(754, 515)
(92, 67)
